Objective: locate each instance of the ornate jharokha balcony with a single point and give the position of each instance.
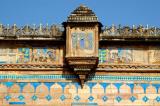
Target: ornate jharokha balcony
(54, 32)
(30, 67)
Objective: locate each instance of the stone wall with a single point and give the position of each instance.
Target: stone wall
(32, 75)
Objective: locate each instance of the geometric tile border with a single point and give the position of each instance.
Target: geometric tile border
(90, 85)
(97, 77)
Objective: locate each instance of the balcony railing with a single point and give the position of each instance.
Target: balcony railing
(56, 32)
(134, 33)
(31, 32)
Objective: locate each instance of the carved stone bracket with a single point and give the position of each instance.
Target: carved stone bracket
(82, 66)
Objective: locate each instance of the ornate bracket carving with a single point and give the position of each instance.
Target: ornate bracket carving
(82, 66)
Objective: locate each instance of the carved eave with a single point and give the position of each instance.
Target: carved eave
(32, 38)
(154, 68)
(30, 67)
(130, 38)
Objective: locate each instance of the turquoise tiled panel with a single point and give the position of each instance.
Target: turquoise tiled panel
(96, 81)
(97, 77)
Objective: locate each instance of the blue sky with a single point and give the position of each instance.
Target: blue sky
(124, 12)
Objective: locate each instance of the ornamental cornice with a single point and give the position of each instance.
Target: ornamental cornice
(129, 67)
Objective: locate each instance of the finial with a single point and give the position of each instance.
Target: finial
(40, 27)
(47, 26)
(81, 5)
(133, 26)
(147, 26)
(27, 26)
(34, 26)
(155, 28)
(14, 28)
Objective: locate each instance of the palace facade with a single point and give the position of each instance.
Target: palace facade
(79, 63)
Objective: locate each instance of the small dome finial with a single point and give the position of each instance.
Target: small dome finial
(81, 5)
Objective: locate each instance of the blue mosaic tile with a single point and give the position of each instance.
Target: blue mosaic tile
(91, 98)
(8, 84)
(34, 97)
(98, 77)
(8, 97)
(156, 86)
(21, 85)
(77, 98)
(17, 103)
(118, 98)
(104, 85)
(35, 85)
(127, 78)
(62, 97)
(84, 104)
(144, 86)
(91, 85)
(21, 97)
(118, 85)
(48, 97)
(158, 98)
(131, 85)
(104, 98)
(63, 85)
(132, 98)
(49, 84)
(77, 85)
(145, 98)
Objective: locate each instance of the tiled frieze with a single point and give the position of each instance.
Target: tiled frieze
(129, 55)
(100, 91)
(31, 55)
